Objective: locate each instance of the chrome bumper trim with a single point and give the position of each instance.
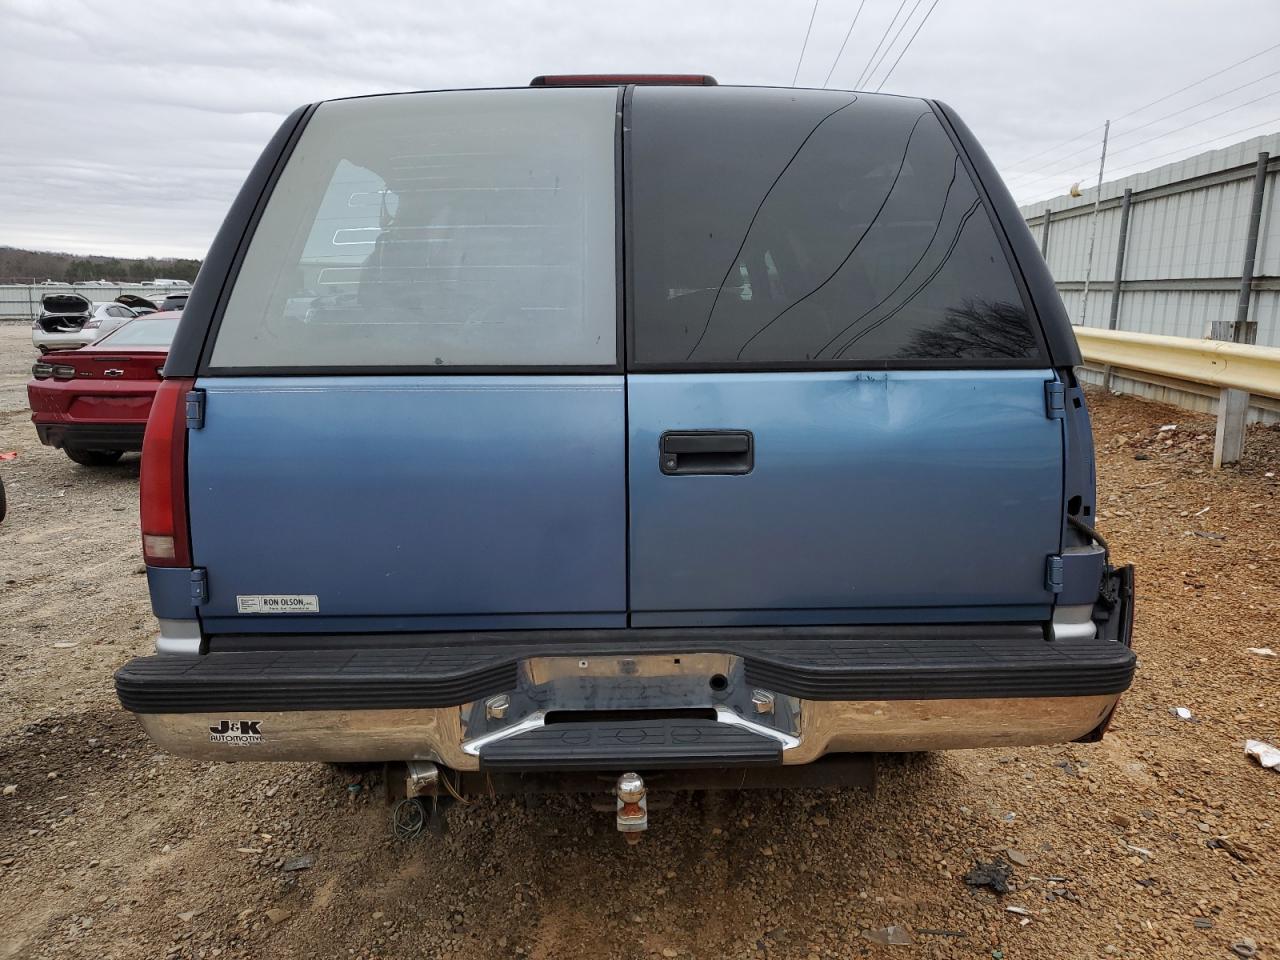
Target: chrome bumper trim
(179, 637)
(531, 722)
(826, 727)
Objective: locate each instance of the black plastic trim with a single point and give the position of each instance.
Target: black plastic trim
(92, 436)
(945, 670)
(706, 453)
(811, 366)
(634, 744)
(386, 370)
(1114, 615)
(311, 680)
(879, 663)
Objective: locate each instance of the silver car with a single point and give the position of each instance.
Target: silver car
(69, 320)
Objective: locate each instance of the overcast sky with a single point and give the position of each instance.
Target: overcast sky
(129, 125)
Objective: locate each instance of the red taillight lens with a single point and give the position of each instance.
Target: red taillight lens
(165, 542)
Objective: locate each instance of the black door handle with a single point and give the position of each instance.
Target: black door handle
(693, 452)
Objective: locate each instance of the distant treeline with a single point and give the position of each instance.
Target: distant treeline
(33, 266)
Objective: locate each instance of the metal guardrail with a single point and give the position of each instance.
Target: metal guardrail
(1217, 363)
(1237, 370)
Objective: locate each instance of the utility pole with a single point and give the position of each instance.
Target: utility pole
(1093, 226)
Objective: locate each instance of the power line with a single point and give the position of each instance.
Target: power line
(910, 40)
(1064, 143)
(1216, 73)
(1167, 133)
(1188, 146)
(840, 53)
(889, 46)
(1160, 156)
(1212, 116)
(858, 83)
(1167, 116)
(1167, 96)
(804, 46)
(1201, 103)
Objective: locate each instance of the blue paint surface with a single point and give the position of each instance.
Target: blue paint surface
(411, 497)
(833, 616)
(924, 489)
(170, 589)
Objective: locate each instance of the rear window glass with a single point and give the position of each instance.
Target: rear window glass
(823, 228)
(437, 229)
(143, 333)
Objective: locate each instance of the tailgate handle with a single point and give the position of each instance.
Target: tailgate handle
(702, 452)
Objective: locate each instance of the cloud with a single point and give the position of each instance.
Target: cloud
(129, 126)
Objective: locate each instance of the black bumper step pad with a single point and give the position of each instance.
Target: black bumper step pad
(819, 667)
(632, 745)
(311, 680)
(945, 669)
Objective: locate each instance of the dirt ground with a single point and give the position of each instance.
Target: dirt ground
(1160, 842)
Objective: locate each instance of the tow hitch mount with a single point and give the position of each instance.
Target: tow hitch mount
(633, 806)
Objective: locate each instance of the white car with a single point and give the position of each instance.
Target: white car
(69, 320)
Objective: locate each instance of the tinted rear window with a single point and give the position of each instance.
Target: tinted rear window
(772, 227)
(143, 333)
(437, 229)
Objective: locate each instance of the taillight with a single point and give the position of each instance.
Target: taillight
(63, 371)
(42, 371)
(163, 484)
(93, 323)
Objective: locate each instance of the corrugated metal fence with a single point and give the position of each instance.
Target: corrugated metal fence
(22, 301)
(1170, 254)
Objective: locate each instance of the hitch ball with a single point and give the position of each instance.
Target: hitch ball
(633, 807)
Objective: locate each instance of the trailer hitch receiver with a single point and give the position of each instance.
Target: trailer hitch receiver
(633, 806)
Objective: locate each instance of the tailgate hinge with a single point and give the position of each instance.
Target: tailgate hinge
(195, 409)
(1055, 400)
(199, 586)
(1053, 574)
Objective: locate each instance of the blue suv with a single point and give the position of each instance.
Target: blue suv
(621, 425)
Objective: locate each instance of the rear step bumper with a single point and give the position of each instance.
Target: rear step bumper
(289, 680)
(641, 699)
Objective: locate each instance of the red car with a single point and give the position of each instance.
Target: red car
(94, 402)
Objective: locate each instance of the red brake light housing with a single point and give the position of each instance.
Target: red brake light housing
(163, 485)
(618, 79)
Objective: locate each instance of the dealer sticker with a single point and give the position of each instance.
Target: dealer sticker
(237, 733)
(278, 603)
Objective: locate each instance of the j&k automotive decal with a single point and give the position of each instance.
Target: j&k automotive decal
(236, 732)
(278, 603)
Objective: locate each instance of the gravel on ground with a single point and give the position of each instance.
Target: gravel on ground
(1161, 841)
